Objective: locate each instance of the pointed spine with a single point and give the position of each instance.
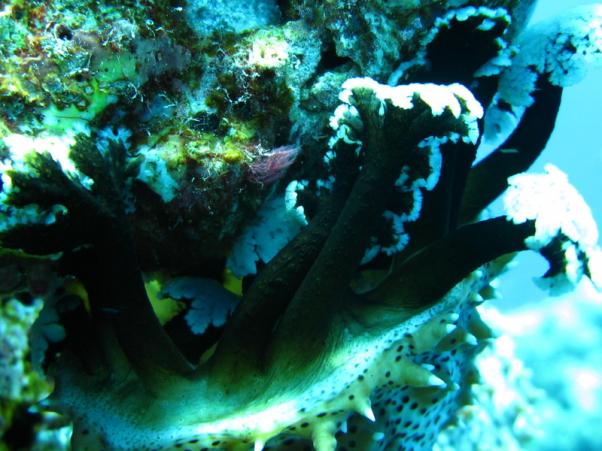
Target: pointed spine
(323, 436)
(419, 375)
(458, 337)
(479, 328)
(363, 406)
(434, 331)
(258, 445)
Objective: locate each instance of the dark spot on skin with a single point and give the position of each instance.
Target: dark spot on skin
(304, 425)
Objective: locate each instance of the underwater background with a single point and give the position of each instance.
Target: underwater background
(539, 357)
(575, 134)
(559, 340)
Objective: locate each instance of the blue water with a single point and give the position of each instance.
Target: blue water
(576, 148)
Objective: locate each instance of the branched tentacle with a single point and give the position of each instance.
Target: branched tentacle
(448, 260)
(440, 207)
(488, 179)
(249, 331)
(97, 247)
(319, 297)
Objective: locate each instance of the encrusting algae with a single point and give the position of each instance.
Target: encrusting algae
(269, 231)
